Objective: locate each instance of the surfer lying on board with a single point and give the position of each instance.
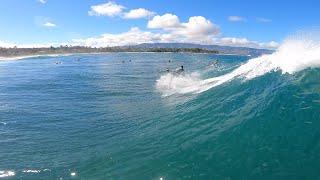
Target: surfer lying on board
(177, 71)
(180, 70)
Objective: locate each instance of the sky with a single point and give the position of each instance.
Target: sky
(102, 23)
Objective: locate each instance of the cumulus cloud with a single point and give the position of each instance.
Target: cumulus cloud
(136, 36)
(235, 41)
(264, 20)
(138, 13)
(199, 26)
(132, 37)
(166, 28)
(49, 24)
(197, 29)
(110, 9)
(269, 45)
(169, 28)
(236, 18)
(165, 21)
(244, 42)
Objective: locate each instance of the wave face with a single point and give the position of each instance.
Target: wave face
(96, 117)
(292, 56)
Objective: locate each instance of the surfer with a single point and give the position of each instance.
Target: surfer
(181, 70)
(215, 63)
(178, 71)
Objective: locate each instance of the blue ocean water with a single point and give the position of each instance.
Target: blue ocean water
(106, 117)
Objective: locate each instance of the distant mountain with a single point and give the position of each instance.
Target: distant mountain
(146, 47)
(221, 49)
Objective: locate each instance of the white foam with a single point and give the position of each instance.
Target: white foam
(30, 56)
(170, 84)
(6, 174)
(31, 171)
(292, 56)
(296, 55)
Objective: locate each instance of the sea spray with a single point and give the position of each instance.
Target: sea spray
(292, 56)
(170, 83)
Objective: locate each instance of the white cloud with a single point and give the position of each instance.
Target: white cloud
(235, 41)
(132, 37)
(165, 28)
(110, 9)
(42, 1)
(165, 21)
(113, 9)
(264, 20)
(197, 29)
(49, 24)
(136, 36)
(269, 45)
(138, 13)
(236, 18)
(244, 42)
(198, 26)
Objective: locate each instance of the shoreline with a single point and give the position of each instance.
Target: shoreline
(15, 58)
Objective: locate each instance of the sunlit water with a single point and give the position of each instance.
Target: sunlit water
(98, 117)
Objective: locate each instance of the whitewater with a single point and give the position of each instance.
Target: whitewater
(292, 56)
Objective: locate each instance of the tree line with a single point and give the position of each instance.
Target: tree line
(7, 52)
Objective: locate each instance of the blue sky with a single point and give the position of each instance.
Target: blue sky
(227, 22)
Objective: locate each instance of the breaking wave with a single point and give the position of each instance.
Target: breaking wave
(292, 56)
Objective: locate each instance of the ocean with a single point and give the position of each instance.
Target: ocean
(123, 116)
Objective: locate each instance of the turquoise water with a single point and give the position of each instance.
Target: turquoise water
(99, 118)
